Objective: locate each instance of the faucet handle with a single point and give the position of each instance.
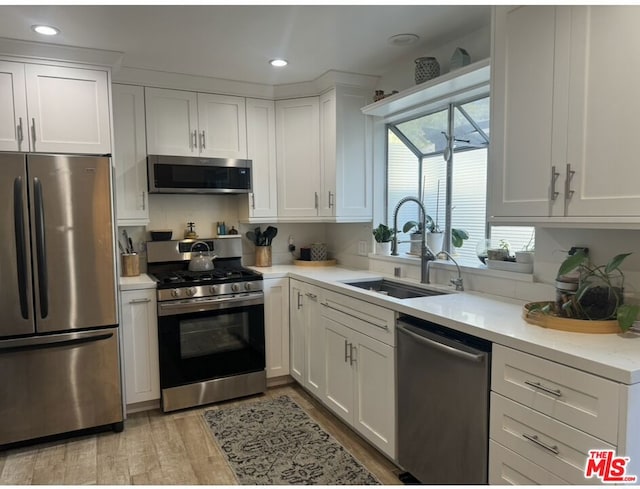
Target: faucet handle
(458, 283)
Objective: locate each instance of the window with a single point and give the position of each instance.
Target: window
(441, 158)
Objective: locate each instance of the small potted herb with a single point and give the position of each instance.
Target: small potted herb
(383, 235)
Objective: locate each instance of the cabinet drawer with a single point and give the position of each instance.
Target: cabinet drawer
(369, 319)
(579, 399)
(552, 445)
(507, 467)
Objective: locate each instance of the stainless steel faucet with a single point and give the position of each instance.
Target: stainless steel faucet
(455, 281)
(425, 252)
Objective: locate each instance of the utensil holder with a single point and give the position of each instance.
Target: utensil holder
(263, 256)
(130, 265)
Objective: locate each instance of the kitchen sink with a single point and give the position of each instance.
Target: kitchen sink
(395, 289)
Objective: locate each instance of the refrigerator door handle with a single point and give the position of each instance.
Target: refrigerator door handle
(55, 341)
(21, 251)
(41, 249)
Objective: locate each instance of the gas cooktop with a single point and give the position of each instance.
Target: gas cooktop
(185, 278)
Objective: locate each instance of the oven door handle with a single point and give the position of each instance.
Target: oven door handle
(174, 308)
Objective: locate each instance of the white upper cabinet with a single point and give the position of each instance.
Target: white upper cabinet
(562, 136)
(13, 100)
(68, 110)
(172, 122)
(222, 126)
(261, 150)
(298, 157)
(181, 123)
(345, 155)
(130, 155)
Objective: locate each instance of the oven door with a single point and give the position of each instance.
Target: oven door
(200, 346)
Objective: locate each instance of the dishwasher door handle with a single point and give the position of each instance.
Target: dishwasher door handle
(479, 357)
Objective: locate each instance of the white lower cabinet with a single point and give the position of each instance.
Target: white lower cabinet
(276, 325)
(139, 329)
(507, 467)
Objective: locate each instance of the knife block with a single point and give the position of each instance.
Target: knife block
(130, 265)
(263, 256)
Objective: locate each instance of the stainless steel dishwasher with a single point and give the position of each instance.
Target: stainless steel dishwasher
(443, 403)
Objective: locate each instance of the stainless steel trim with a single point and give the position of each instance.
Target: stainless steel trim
(164, 251)
(139, 301)
(554, 178)
(201, 291)
(209, 304)
(55, 339)
(41, 253)
(548, 390)
(534, 438)
(33, 133)
(204, 141)
(568, 193)
(20, 132)
(215, 390)
(444, 348)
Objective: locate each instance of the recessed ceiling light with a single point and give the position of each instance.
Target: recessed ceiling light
(46, 30)
(278, 63)
(403, 39)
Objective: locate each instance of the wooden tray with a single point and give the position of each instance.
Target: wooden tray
(319, 263)
(566, 324)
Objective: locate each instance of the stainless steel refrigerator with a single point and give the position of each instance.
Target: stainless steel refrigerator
(59, 364)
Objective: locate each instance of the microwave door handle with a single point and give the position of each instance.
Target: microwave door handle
(41, 253)
(21, 247)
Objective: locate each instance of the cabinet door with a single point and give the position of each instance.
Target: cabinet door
(140, 346)
(172, 122)
(68, 110)
(374, 414)
(298, 157)
(261, 150)
(327, 154)
(508, 468)
(528, 97)
(222, 126)
(603, 111)
(13, 100)
(314, 354)
(130, 155)
(296, 332)
(338, 389)
(276, 316)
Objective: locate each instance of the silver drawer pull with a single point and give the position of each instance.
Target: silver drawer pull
(311, 296)
(548, 390)
(139, 301)
(534, 438)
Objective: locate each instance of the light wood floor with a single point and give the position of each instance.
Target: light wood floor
(157, 448)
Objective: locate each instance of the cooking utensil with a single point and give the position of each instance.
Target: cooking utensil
(258, 233)
(269, 234)
(203, 261)
(122, 250)
(251, 236)
(128, 247)
(131, 246)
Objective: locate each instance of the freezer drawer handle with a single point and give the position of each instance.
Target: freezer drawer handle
(534, 438)
(21, 253)
(41, 249)
(548, 390)
(439, 346)
(50, 342)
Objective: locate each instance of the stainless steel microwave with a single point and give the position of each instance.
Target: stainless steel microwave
(184, 175)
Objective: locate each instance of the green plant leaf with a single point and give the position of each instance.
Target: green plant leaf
(615, 262)
(572, 262)
(458, 236)
(627, 314)
(410, 225)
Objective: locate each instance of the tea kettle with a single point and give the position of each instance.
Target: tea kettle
(201, 261)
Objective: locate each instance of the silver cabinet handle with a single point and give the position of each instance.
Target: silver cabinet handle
(534, 438)
(253, 201)
(554, 178)
(316, 199)
(353, 350)
(346, 354)
(144, 204)
(568, 193)
(139, 301)
(204, 141)
(19, 128)
(299, 300)
(33, 132)
(330, 199)
(548, 390)
(194, 140)
(311, 296)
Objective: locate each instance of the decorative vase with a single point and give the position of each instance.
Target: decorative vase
(427, 68)
(459, 59)
(383, 248)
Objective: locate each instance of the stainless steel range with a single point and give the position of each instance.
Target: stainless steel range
(210, 323)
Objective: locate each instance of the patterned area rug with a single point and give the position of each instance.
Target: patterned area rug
(275, 442)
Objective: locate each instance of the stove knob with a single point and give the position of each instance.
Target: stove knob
(175, 293)
(247, 286)
(213, 289)
(191, 291)
(235, 287)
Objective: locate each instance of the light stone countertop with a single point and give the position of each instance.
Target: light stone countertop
(497, 319)
(142, 281)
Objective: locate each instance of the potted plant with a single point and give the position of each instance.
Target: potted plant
(526, 254)
(501, 252)
(383, 235)
(599, 295)
(434, 235)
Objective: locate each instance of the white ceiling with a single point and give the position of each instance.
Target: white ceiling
(235, 42)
